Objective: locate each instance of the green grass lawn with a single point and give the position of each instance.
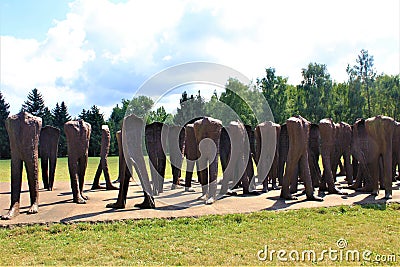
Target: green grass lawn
(209, 240)
(62, 173)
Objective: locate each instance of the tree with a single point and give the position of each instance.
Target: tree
(387, 95)
(4, 142)
(140, 106)
(34, 104)
(355, 99)
(60, 117)
(365, 72)
(160, 115)
(316, 88)
(96, 120)
(274, 90)
(340, 102)
(190, 108)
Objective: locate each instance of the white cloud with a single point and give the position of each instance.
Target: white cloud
(103, 51)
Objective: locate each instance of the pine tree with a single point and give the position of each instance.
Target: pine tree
(60, 117)
(96, 120)
(34, 104)
(4, 142)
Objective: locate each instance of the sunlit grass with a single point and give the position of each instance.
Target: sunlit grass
(210, 240)
(62, 173)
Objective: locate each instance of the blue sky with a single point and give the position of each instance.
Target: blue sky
(98, 52)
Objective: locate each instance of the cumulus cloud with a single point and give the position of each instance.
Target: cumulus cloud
(103, 51)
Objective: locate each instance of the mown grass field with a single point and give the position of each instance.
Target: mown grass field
(210, 240)
(62, 173)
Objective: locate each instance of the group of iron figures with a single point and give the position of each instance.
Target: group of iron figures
(283, 155)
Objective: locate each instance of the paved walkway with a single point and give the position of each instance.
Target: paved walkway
(56, 206)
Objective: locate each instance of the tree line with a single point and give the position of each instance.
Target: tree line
(364, 94)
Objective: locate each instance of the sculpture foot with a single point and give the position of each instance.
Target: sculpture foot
(189, 189)
(293, 191)
(323, 188)
(265, 189)
(252, 193)
(288, 197)
(337, 191)
(84, 197)
(79, 200)
(210, 201)
(33, 209)
(97, 186)
(363, 189)
(388, 195)
(13, 212)
(111, 187)
(314, 198)
(231, 193)
(116, 205)
(148, 202)
(275, 187)
(174, 186)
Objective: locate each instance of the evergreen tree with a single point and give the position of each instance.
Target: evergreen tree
(34, 104)
(60, 117)
(96, 120)
(4, 141)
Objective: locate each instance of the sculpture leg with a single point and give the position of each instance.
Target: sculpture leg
(162, 162)
(123, 190)
(82, 164)
(52, 170)
(73, 172)
(387, 164)
(290, 174)
(140, 167)
(32, 170)
(348, 168)
(189, 175)
(16, 181)
(212, 191)
(104, 165)
(306, 177)
(44, 163)
(96, 180)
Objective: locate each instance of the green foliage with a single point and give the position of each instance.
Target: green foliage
(365, 73)
(4, 142)
(35, 104)
(386, 97)
(60, 117)
(115, 124)
(315, 89)
(274, 89)
(96, 120)
(190, 107)
(160, 115)
(139, 106)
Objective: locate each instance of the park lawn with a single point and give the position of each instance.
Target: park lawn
(63, 175)
(233, 239)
